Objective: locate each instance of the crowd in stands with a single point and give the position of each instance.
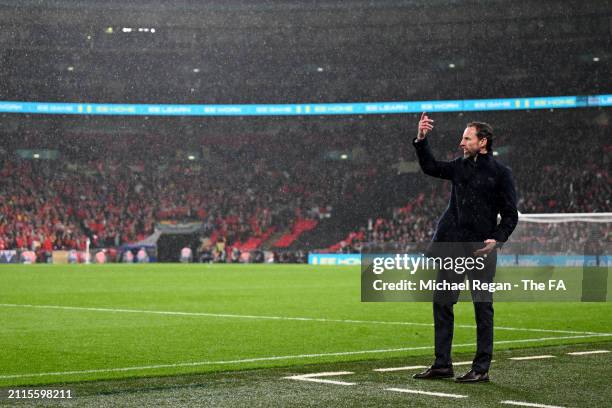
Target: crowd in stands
(248, 194)
(56, 205)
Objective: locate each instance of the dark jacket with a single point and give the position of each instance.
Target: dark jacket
(481, 189)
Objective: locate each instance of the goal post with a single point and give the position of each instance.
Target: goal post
(562, 234)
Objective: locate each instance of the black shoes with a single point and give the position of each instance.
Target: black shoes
(434, 373)
(473, 377)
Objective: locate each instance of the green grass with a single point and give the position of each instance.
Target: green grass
(569, 381)
(51, 340)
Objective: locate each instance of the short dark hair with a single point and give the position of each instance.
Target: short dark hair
(483, 130)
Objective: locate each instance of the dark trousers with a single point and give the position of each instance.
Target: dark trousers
(483, 308)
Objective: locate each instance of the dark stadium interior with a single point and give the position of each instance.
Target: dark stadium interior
(243, 203)
(290, 51)
(255, 180)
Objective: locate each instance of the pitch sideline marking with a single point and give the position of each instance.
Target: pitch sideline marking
(384, 370)
(460, 363)
(272, 358)
(528, 404)
(314, 377)
(575, 353)
(263, 317)
(582, 353)
(531, 357)
(433, 394)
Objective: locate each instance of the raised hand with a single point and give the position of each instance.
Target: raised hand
(425, 125)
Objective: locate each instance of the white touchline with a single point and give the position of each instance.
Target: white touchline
(263, 317)
(416, 367)
(460, 363)
(531, 357)
(582, 353)
(384, 370)
(528, 404)
(433, 394)
(272, 358)
(466, 363)
(314, 377)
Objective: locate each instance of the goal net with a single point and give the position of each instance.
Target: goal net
(562, 234)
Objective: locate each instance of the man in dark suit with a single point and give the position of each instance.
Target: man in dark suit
(482, 188)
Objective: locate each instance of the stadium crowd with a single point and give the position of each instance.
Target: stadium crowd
(56, 205)
(255, 190)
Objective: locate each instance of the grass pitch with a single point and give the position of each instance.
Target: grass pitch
(71, 323)
(558, 381)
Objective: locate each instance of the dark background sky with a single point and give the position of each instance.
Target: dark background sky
(290, 52)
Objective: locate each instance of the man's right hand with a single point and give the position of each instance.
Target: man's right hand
(425, 125)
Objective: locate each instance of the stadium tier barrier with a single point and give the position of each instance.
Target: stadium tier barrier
(123, 255)
(64, 257)
(308, 109)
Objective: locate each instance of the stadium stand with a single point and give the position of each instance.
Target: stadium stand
(58, 204)
(254, 181)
